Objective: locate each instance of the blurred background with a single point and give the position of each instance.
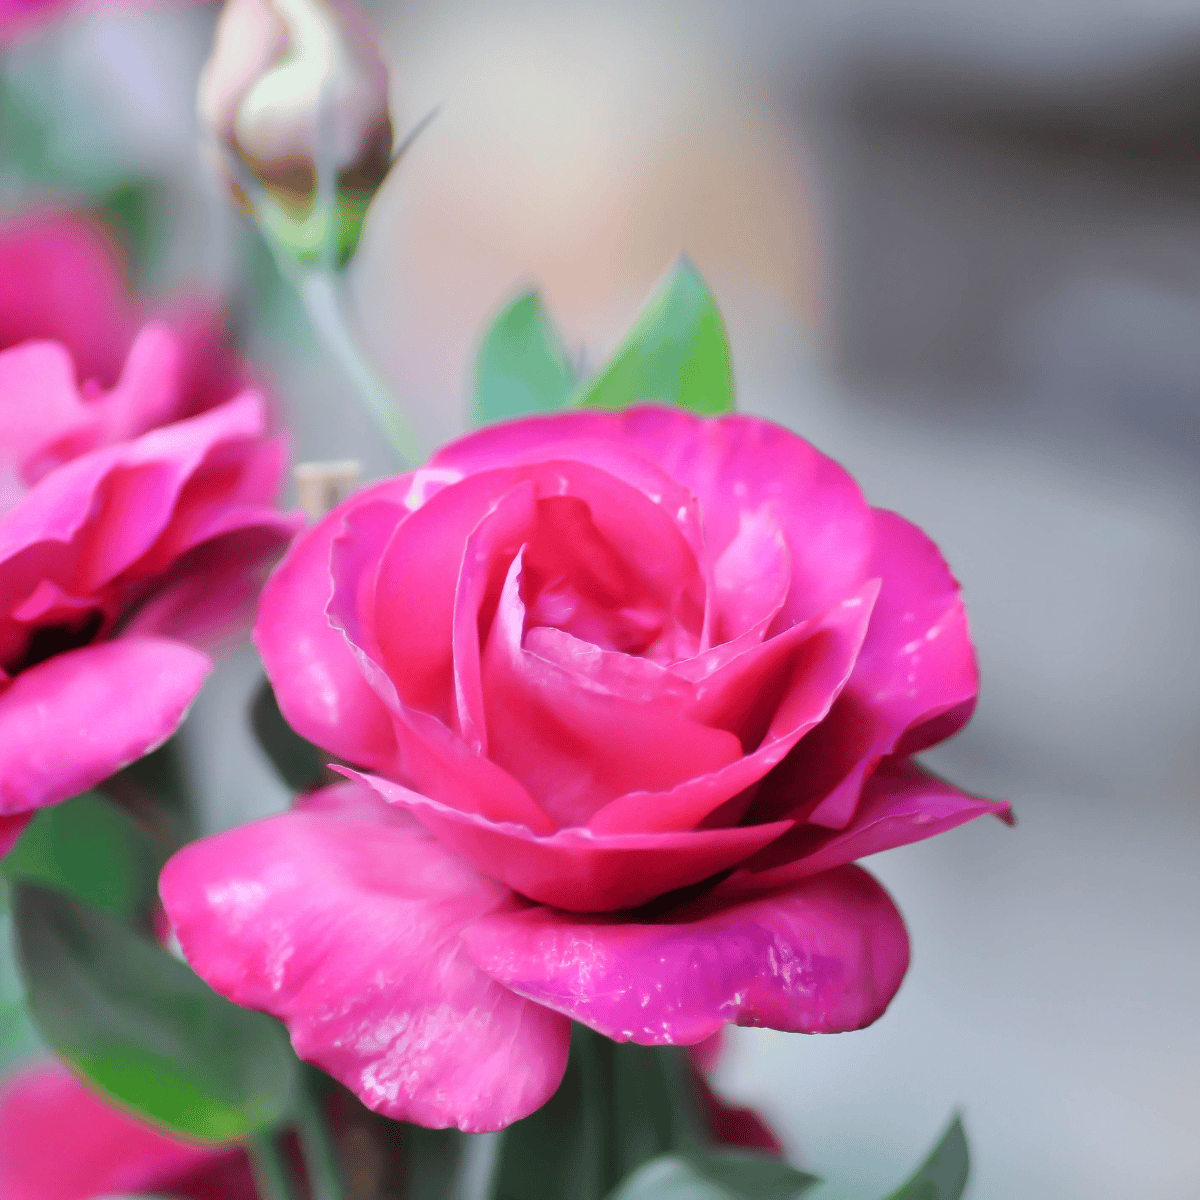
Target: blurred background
(958, 247)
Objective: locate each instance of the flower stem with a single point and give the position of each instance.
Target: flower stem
(325, 1178)
(272, 1176)
(322, 300)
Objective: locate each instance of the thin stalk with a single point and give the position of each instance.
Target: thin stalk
(325, 1178)
(322, 301)
(272, 1175)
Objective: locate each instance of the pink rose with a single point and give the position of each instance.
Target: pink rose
(60, 282)
(631, 693)
(119, 549)
(59, 1141)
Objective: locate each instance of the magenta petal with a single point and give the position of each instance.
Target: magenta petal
(341, 918)
(74, 719)
(574, 869)
(901, 803)
(59, 1141)
(771, 695)
(914, 684)
(576, 748)
(317, 680)
(824, 956)
(751, 577)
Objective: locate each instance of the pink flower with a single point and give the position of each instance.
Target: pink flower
(123, 540)
(631, 692)
(59, 1141)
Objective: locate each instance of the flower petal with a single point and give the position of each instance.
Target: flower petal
(914, 684)
(74, 719)
(341, 918)
(771, 696)
(11, 828)
(317, 680)
(60, 1141)
(901, 803)
(735, 466)
(574, 869)
(824, 956)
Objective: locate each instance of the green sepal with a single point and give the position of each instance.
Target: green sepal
(522, 367)
(145, 1030)
(678, 353)
(298, 761)
(718, 1175)
(94, 850)
(943, 1175)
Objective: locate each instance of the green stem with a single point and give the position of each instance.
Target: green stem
(272, 1175)
(321, 294)
(325, 1178)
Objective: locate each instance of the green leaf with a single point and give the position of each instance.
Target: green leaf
(18, 1038)
(522, 367)
(617, 1106)
(298, 761)
(678, 353)
(143, 1028)
(95, 851)
(431, 1161)
(721, 1175)
(943, 1175)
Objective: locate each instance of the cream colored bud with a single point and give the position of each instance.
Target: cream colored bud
(290, 81)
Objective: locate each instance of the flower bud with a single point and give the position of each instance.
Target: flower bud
(295, 88)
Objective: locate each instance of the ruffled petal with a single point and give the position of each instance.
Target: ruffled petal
(914, 684)
(576, 749)
(574, 869)
(60, 1141)
(735, 466)
(74, 719)
(770, 696)
(317, 680)
(901, 803)
(824, 956)
(342, 919)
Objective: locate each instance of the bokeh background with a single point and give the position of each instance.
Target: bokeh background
(958, 247)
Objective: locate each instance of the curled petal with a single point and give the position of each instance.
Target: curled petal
(575, 869)
(74, 719)
(342, 919)
(901, 803)
(913, 685)
(317, 680)
(824, 956)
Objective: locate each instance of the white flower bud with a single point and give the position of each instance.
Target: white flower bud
(296, 85)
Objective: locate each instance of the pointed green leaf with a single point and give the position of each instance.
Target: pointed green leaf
(720, 1175)
(143, 1028)
(298, 761)
(678, 353)
(522, 367)
(943, 1175)
(93, 849)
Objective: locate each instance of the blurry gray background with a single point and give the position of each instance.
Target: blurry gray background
(958, 247)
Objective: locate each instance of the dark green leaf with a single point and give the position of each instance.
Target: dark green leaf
(618, 1105)
(431, 1161)
(721, 1175)
(92, 849)
(522, 367)
(678, 353)
(943, 1175)
(143, 1028)
(298, 762)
